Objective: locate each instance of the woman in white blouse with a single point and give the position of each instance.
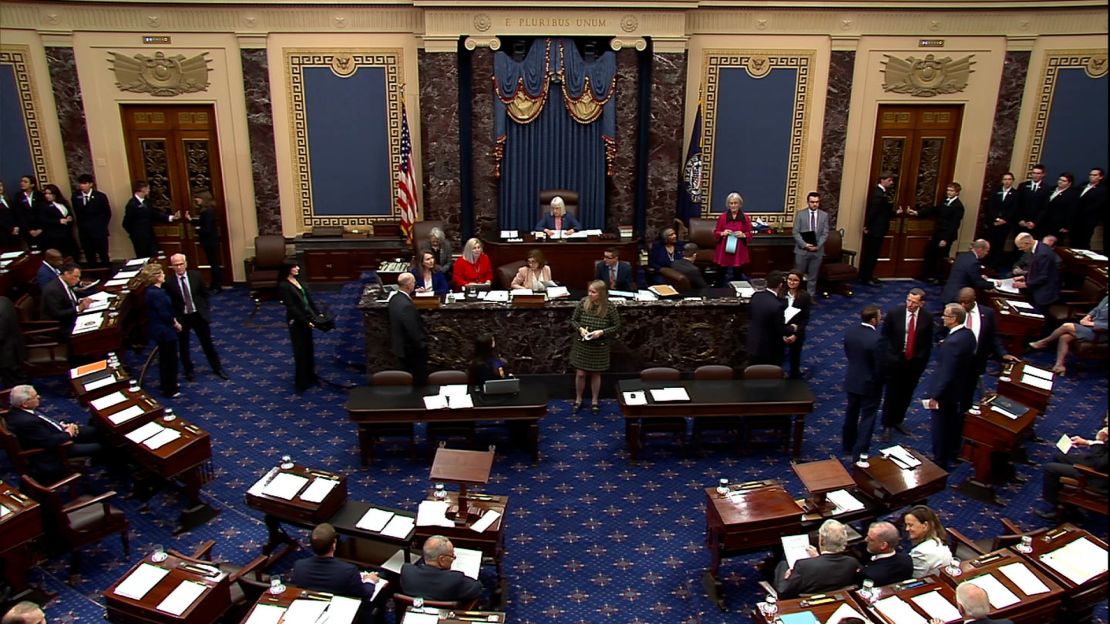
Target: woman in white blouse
(535, 274)
(929, 553)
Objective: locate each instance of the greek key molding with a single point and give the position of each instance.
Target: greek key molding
(1054, 61)
(18, 57)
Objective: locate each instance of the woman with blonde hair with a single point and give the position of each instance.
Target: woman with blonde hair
(162, 326)
(596, 321)
(472, 267)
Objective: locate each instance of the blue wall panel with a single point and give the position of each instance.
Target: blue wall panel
(16, 158)
(348, 139)
(751, 150)
(1075, 139)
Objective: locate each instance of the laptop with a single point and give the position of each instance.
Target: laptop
(501, 386)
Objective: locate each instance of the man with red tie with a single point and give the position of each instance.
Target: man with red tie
(617, 275)
(908, 330)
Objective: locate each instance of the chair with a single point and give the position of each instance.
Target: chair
(570, 200)
(453, 429)
(838, 268)
(506, 273)
(30, 319)
(247, 582)
(421, 230)
(763, 371)
(1087, 491)
(701, 233)
(80, 521)
(1074, 304)
(21, 457)
(702, 426)
(263, 267)
(44, 354)
(402, 602)
(965, 548)
(408, 430)
(674, 278)
(674, 427)
(778, 424)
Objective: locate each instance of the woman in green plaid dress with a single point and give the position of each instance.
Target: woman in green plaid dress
(596, 321)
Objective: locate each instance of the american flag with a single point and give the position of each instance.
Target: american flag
(406, 181)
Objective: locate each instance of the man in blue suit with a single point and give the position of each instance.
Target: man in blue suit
(967, 271)
(1041, 281)
(617, 275)
(558, 220)
(323, 572)
(50, 268)
(36, 430)
(863, 382)
(947, 396)
(988, 343)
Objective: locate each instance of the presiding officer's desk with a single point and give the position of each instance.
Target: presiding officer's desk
(572, 261)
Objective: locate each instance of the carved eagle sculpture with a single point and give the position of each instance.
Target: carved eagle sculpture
(928, 76)
(160, 75)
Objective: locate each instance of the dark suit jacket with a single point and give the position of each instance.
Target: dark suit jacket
(56, 305)
(866, 358)
(894, 332)
(548, 223)
(197, 290)
(405, 328)
(295, 309)
(803, 302)
(328, 574)
(823, 573)
(767, 328)
(436, 584)
(1060, 212)
(1006, 209)
(967, 270)
(55, 234)
(160, 317)
(34, 433)
(92, 219)
(880, 211)
(439, 284)
(949, 216)
(139, 219)
(624, 275)
(1032, 204)
(1042, 280)
(954, 362)
(888, 569)
(27, 211)
(691, 271)
(989, 344)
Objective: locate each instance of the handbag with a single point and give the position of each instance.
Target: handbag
(324, 322)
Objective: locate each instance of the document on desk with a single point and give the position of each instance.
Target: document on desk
(256, 489)
(433, 513)
(100, 383)
(182, 598)
(399, 527)
(898, 610)
(125, 415)
(128, 274)
(460, 401)
(800, 617)
(794, 547)
(663, 395)
(412, 617)
(285, 486)
(899, 455)
(306, 610)
(843, 612)
(374, 519)
(999, 595)
(139, 582)
(743, 289)
(623, 294)
(497, 296)
(435, 402)
(467, 561)
(1025, 580)
(98, 306)
(635, 398)
(112, 283)
(394, 563)
(937, 606)
(646, 295)
(557, 292)
(136, 262)
(87, 323)
(341, 610)
(162, 438)
(1080, 561)
(319, 489)
(266, 614)
(485, 521)
(143, 433)
(1036, 382)
(844, 501)
(4, 511)
(1029, 369)
(107, 401)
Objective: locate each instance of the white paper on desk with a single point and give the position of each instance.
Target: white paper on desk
(412, 617)
(625, 294)
(938, 607)
(142, 580)
(635, 398)
(394, 563)
(137, 262)
(435, 402)
(100, 383)
(4, 511)
(1064, 444)
(521, 291)
(794, 547)
(115, 282)
(378, 587)
(182, 597)
(1031, 315)
(141, 434)
(1007, 414)
(844, 501)
(646, 295)
(341, 610)
(88, 322)
(497, 296)
(556, 292)
(426, 293)
(125, 415)
(374, 519)
(1036, 382)
(285, 485)
(108, 400)
(842, 612)
(305, 610)
(580, 235)
(900, 455)
(789, 313)
(399, 527)
(266, 614)
(1020, 305)
(898, 610)
(485, 521)
(11, 254)
(999, 595)
(433, 513)
(1029, 369)
(467, 561)
(1080, 560)
(319, 489)
(126, 274)
(256, 489)
(669, 394)
(460, 401)
(1026, 581)
(101, 296)
(163, 438)
(506, 234)
(98, 306)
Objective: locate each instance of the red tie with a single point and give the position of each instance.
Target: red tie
(910, 331)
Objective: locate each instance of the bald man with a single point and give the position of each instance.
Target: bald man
(974, 605)
(410, 343)
(191, 309)
(433, 578)
(25, 612)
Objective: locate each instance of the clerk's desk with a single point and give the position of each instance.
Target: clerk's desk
(571, 260)
(208, 607)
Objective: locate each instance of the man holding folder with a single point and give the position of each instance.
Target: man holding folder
(811, 228)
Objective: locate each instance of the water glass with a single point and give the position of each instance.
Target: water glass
(169, 415)
(953, 568)
(868, 590)
(275, 585)
(1026, 545)
(159, 554)
(722, 487)
(286, 462)
(770, 607)
(133, 386)
(440, 493)
(418, 602)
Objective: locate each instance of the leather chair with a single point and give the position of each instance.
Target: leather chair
(408, 430)
(1075, 304)
(21, 457)
(45, 355)
(727, 428)
(838, 267)
(247, 582)
(701, 233)
(674, 427)
(263, 267)
(454, 429)
(421, 230)
(782, 426)
(28, 310)
(506, 273)
(964, 548)
(80, 521)
(675, 278)
(570, 199)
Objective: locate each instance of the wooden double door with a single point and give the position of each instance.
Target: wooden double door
(175, 149)
(918, 144)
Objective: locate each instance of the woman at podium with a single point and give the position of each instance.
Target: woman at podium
(535, 274)
(472, 267)
(733, 232)
(428, 276)
(557, 220)
(596, 321)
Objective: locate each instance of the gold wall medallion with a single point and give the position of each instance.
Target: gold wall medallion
(1096, 66)
(343, 66)
(160, 75)
(926, 77)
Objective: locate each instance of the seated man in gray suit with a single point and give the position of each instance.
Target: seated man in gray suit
(829, 567)
(432, 577)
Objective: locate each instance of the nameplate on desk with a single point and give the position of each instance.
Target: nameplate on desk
(81, 371)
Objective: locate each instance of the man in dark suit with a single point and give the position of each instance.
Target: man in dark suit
(139, 217)
(60, 303)
(946, 397)
(432, 577)
(864, 383)
(768, 326)
(323, 572)
(410, 343)
(988, 343)
(685, 265)
(93, 214)
(886, 564)
(908, 355)
(191, 308)
(827, 568)
(967, 271)
(1090, 453)
(1000, 219)
(36, 430)
(50, 268)
(876, 223)
(1091, 211)
(1032, 198)
(1061, 208)
(949, 214)
(975, 605)
(616, 274)
(1041, 280)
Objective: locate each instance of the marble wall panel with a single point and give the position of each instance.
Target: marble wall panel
(668, 88)
(486, 184)
(260, 132)
(71, 113)
(1006, 111)
(439, 140)
(833, 135)
(622, 183)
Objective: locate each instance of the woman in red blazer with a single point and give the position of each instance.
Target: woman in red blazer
(472, 267)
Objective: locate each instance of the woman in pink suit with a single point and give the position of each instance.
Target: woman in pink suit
(732, 224)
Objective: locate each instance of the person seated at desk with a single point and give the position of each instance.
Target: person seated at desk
(25, 612)
(60, 302)
(36, 430)
(617, 275)
(428, 276)
(535, 274)
(929, 553)
(1090, 328)
(472, 267)
(974, 605)
(50, 268)
(1090, 453)
(663, 253)
(486, 363)
(440, 247)
(827, 568)
(685, 265)
(432, 578)
(887, 565)
(323, 572)
(557, 220)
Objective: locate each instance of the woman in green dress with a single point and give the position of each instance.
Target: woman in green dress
(596, 321)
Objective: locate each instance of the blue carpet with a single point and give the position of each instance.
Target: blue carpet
(591, 537)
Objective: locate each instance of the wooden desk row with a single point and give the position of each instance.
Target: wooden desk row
(21, 523)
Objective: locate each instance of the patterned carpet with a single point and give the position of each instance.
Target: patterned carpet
(591, 536)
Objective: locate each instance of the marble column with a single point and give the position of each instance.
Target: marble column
(833, 135)
(486, 185)
(668, 88)
(260, 131)
(622, 183)
(439, 140)
(71, 112)
(1006, 111)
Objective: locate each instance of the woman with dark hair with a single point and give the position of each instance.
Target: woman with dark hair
(208, 232)
(27, 204)
(929, 553)
(733, 233)
(486, 363)
(428, 276)
(163, 327)
(56, 219)
(595, 321)
(300, 314)
(535, 274)
(663, 253)
(797, 297)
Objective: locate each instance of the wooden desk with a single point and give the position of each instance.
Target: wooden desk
(108, 337)
(907, 591)
(150, 406)
(1081, 597)
(990, 442)
(1014, 327)
(894, 487)
(490, 542)
(787, 398)
(292, 593)
(296, 511)
(826, 605)
(571, 261)
(369, 406)
(208, 607)
(1031, 609)
(106, 381)
(1010, 385)
(364, 547)
(17, 272)
(461, 617)
(21, 524)
(1078, 267)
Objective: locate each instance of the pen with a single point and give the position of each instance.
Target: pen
(192, 428)
(1057, 533)
(321, 474)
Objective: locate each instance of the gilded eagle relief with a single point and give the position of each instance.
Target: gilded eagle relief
(926, 77)
(160, 75)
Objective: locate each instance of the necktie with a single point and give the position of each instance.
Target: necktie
(813, 221)
(967, 323)
(57, 425)
(186, 295)
(613, 277)
(1035, 185)
(87, 198)
(911, 330)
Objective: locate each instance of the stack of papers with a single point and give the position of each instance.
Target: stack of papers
(1006, 285)
(121, 417)
(898, 610)
(998, 594)
(1080, 561)
(108, 400)
(900, 456)
(495, 296)
(794, 547)
(635, 398)
(374, 519)
(1026, 581)
(844, 501)
(256, 489)
(938, 607)
(646, 295)
(162, 438)
(285, 486)
(1087, 253)
(433, 513)
(453, 401)
(182, 598)
(141, 581)
(557, 292)
(266, 614)
(306, 610)
(467, 561)
(87, 323)
(662, 395)
(145, 432)
(399, 527)
(319, 489)
(843, 612)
